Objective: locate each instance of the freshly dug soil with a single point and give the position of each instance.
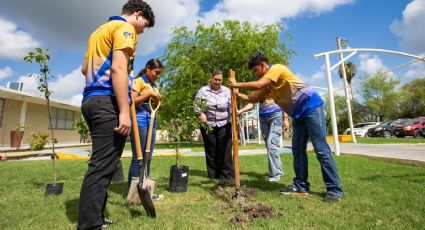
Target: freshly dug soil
(243, 210)
(252, 211)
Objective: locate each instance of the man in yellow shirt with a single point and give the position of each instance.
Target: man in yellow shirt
(306, 108)
(108, 66)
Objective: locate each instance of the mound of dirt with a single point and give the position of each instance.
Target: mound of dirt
(252, 211)
(243, 209)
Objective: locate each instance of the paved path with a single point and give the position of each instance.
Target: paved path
(405, 153)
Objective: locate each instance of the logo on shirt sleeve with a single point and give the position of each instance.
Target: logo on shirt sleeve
(128, 35)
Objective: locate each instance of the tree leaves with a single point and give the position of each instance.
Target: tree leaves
(191, 57)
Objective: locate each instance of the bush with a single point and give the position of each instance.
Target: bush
(38, 140)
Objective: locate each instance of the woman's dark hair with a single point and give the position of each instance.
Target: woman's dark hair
(151, 64)
(138, 5)
(256, 59)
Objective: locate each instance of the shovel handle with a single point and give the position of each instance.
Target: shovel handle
(135, 131)
(151, 123)
(235, 134)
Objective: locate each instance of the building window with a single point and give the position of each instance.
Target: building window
(1, 111)
(62, 119)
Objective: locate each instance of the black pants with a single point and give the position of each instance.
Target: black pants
(218, 152)
(101, 114)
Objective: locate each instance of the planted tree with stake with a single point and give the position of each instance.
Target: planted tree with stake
(183, 127)
(41, 57)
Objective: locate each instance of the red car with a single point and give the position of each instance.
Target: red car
(410, 127)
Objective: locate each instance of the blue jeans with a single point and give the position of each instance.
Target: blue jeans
(313, 126)
(271, 128)
(134, 170)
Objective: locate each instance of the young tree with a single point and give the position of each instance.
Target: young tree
(41, 57)
(191, 57)
(380, 95)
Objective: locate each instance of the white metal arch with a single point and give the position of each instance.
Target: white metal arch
(328, 68)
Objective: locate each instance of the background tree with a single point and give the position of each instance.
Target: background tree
(380, 95)
(42, 59)
(83, 129)
(340, 112)
(412, 98)
(350, 72)
(191, 57)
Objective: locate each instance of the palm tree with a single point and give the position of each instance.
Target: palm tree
(350, 72)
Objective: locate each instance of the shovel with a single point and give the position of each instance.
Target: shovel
(237, 195)
(144, 194)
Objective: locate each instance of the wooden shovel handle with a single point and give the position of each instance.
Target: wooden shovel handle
(235, 134)
(136, 131)
(151, 123)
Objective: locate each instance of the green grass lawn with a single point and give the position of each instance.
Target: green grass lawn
(378, 195)
(381, 140)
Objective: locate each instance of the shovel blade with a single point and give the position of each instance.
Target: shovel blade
(145, 198)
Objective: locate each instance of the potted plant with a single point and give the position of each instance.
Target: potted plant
(16, 136)
(179, 174)
(182, 128)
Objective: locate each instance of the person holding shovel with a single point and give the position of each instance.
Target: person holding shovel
(271, 123)
(144, 88)
(107, 68)
(218, 142)
(306, 108)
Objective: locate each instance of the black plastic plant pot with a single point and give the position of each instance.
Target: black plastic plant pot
(54, 189)
(179, 177)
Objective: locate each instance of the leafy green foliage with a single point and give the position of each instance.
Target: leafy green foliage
(183, 126)
(350, 71)
(42, 59)
(412, 98)
(191, 57)
(379, 92)
(83, 130)
(38, 140)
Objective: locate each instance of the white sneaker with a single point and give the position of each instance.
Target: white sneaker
(157, 197)
(274, 179)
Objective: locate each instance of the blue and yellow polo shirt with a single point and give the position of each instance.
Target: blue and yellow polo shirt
(143, 112)
(116, 34)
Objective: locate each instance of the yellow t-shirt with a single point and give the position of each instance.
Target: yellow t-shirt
(285, 87)
(116, 34)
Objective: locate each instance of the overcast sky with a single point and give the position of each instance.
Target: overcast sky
(64, 26)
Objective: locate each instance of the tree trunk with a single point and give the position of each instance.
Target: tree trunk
(46, 94)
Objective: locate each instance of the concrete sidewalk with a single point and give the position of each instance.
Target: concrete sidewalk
(413, 154)
(405, 153)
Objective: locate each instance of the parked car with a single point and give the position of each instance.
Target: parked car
(410, 128)
(397, 122)
(382, 130)
(423, 131)
(360, 129)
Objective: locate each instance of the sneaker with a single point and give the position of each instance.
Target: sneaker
(274, 179)
(107, 222)
(332, 197)
(157, 197)
(291, 189)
